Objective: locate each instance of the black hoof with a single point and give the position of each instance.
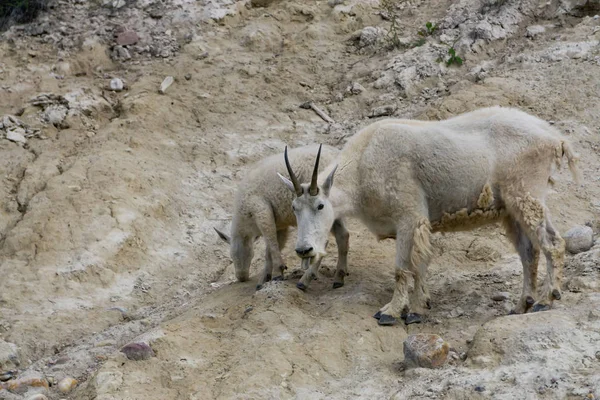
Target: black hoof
(529, 301)
(282, 268)
(337, 285)
(268, 277)
(556, 294)
(386, 320)
(413, 318)
(301, 286)
(541, 307)
(278, 278)
(377, 315)
(258, 287)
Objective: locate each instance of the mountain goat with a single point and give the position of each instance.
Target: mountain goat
(406, 179)
(263, 208)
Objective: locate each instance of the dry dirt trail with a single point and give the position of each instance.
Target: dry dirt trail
(107, 211)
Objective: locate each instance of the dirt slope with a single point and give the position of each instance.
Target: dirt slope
(106, 214)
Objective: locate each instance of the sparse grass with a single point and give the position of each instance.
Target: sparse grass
(429, 30)
(389, 7)
(453, 59)
(20, 11)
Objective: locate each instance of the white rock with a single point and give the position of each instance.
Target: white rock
(165, 84)
(355, 88)
(578, 239)
(116, 84)
(55, 114)
(16, 135)
(534, 30)
(8, 121)
(9, 355)
(66, 385)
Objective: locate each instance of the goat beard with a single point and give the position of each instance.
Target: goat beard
(307, 262)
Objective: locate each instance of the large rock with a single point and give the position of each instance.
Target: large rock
(549, 341)
(578, 239)
(9, 356)
(425, 350)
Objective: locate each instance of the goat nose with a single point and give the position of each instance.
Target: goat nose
(304, 251)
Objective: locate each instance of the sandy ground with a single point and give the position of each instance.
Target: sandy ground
(106, 219)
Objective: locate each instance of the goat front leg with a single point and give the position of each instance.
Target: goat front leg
(310, 273)
(268, 271)
(266, 224)
(413, 251)
(342, 238)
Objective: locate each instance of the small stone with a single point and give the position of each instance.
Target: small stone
(188, 77)
(479, 388)
(116, 84)
(578, 239)
(9, 121)
(16, 135)
(355, 88)
(127, 38)
(382, 111)
(120, 53)
(55, 115)
(66, 385)
(457, 312)
(7, 375)
(501, 296)
(21, 385)
(534, 31)
(425, 350)
(369, 36)
(598, 355)
(138, 351)
(168, 81)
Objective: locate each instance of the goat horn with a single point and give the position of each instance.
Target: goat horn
(297, 186)
(314, 188)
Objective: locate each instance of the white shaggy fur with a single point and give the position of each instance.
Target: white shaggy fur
(263, 207)
(405, 179)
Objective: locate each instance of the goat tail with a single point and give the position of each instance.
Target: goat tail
(572, 159)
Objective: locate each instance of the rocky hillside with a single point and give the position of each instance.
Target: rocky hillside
(126, 125)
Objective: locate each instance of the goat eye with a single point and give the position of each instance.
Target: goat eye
(320, 207)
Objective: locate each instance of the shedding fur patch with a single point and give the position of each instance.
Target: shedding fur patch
(486, 198)
(531, 209)
(421, 249)
(465, 220)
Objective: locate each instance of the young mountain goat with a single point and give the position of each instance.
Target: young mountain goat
(263, 208)
(406, 179)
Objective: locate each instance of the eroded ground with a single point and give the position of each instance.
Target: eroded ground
(107, 212)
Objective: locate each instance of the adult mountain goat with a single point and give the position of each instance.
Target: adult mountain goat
(406, 179)
(263, 208)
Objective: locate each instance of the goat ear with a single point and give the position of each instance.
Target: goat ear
(329, 182)
(287, 182)
(223, 236)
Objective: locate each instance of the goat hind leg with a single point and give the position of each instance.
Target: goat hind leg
(533, 217)
(553, 246)
(530, 255)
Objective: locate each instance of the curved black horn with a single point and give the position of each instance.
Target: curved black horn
(314, 188)
(293, 178)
